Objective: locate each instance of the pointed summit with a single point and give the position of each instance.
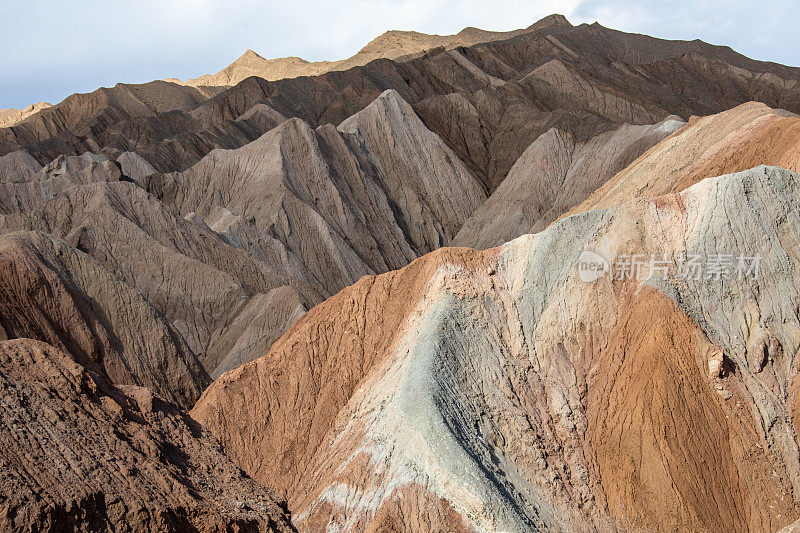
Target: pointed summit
(250, 54)
(416, 168)
(556, 19)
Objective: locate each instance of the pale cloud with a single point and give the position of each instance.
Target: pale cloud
(765, 30)
(52, 49)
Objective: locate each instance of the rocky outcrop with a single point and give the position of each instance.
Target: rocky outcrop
(553, 175)
(80, 454)
(497, 391)
(135, 166)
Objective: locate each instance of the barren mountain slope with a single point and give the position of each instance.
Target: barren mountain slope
(18, 167)
(69, 127)
(362, 199)
(53, 293)
(80, 454)
(262, 321)
(746, 136)
(299, 211)
(554, 174)
(290, 238)
(496, 390)
(191, 274)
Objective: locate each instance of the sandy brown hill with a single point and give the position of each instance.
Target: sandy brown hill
(308, 208)
(496, 390)
(10, 117)
(80, 454)
(749, 135)
(488, 104)
(390, 45)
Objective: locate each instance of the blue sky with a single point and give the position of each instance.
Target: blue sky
(53, 49)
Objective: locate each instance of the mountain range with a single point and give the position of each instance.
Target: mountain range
(348, 295)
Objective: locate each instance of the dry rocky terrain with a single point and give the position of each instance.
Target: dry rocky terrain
(10, 117)
(496, 391)
(81, 454)
(346, 296)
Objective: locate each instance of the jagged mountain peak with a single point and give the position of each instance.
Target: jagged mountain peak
(389, 105)
(249, 53)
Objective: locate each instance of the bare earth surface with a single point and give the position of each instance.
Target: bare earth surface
(263, 270)
(54, 293)
(554, 174)
(746, 136)
(496, 391)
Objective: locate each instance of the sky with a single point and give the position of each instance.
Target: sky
(52, 49)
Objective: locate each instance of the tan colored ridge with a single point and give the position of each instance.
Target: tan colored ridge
(10, 117)
(392, 44)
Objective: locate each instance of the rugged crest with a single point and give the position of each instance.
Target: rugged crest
(488, 101)
(554, 174)
(390, 45)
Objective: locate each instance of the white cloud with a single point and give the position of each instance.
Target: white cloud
(51, 49)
